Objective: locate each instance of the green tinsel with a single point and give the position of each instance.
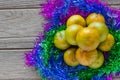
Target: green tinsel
(48, 44)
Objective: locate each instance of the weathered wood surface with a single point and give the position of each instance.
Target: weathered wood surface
(12, 66)
(19, 4)
(19, 26)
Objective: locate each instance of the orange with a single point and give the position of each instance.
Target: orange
(76, 19)
(99, 62)
(86, 58)
(88, 39)
(101, 28)
(107, 44)
(60, 41)
(69, 57)
(71, 32)
(95, 18)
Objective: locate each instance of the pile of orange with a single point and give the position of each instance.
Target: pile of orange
(91, 36)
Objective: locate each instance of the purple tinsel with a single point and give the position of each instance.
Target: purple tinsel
(52, 12)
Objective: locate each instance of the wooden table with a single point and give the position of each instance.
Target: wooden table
(19, 26)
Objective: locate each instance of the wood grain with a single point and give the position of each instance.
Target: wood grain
(113, 2)
(20, 23)
(19, 27)
(12, 66)
(19, 4)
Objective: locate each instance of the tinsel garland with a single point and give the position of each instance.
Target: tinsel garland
(48, 60)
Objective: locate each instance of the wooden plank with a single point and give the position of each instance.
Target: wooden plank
(20, 4)
(17, 43)
(20, 22)
(12, 66)
(113, 1)
(19, 27)
(116, 6)
(10, 4)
